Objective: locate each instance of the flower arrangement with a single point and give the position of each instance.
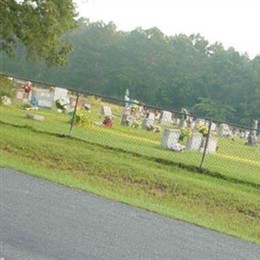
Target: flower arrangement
(185, 132)
(202, 129)
(82, 119)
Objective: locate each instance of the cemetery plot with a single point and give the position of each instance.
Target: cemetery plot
(134, 131)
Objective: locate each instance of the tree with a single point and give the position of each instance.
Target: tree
(38, 26)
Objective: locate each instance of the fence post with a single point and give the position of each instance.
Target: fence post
(206, 145)
(74, 113)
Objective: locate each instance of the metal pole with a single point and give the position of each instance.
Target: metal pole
(74, 113)
(206, 145)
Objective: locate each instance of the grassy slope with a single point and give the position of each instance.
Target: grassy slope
(233, 159)
(207, 201)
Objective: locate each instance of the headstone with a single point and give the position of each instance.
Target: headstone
(200, 121)
(6, 101)
(166, 118)
(106, 111)
(192, 125)
(127, 118)
(45, 97)
(254, 126)
(72, 101)
(224, 130)
(35, 117)
(183, 123)
(170, 137)
(148, 124)
(151, 115)
(212, 145)
(177, 121)
(19, 94)
(194, 142)
(60, 93)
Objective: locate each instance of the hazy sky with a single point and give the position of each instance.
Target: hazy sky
(234, 23)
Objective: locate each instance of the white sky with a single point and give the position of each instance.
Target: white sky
(234, 23)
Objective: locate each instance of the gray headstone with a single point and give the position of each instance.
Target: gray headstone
(35, 117)
(147, 123)
(194, 142)
(170, 137)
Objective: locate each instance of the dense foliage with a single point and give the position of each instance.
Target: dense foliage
(166, 71)
(37, 25)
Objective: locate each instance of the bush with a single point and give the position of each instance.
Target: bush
(6, 87)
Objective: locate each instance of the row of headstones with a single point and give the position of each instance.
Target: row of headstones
(196, 142)
(44, 97)
(166, 117)
(223, 130)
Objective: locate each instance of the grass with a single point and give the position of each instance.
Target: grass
(233, 161)
(130, 172)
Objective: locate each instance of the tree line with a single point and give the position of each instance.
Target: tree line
(165, 71)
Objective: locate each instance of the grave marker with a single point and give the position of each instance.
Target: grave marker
(170, 137)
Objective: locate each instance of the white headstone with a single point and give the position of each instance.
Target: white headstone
(212, 145)
(44, 97)
(166, 118)
(151, 116)
(224, 130)
(183, 123)
(170, 137)
(60, 93)
(106, 111)
(177, 121)
(194, 142)
(192, 125)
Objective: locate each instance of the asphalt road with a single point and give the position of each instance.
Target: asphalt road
(41, 220)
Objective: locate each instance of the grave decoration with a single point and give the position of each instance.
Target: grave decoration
(108, 122)
(6, 101)
(62, 105)
(185, 133)
(27, 87)
(202, 128)
(170, 140)
(82, 119)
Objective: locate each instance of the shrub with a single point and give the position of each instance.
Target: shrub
(6, 87)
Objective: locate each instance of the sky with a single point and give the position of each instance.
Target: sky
(234, 23)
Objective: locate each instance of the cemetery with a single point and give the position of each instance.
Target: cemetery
(162, 134)
(138, 154)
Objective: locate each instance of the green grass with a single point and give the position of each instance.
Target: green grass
(233, 160)
(129, 172)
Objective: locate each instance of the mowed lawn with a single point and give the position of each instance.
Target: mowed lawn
(129, 165)
(233, 160)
